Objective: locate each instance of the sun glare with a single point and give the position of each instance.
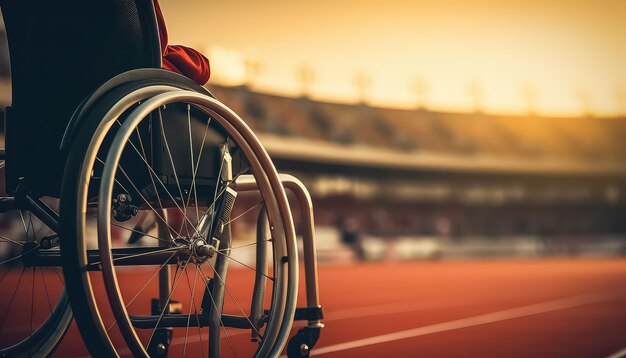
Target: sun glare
(555, 58)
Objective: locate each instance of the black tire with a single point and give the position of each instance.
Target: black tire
(86, 314)
(47, 331)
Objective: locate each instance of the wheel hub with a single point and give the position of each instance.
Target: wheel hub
(201, 250)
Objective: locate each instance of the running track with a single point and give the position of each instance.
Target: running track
(531, 308)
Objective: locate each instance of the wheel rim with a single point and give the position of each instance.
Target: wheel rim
(34, 294)
(75, 214)
(269, 184)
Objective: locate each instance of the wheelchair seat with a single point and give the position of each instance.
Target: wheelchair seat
(60, 53)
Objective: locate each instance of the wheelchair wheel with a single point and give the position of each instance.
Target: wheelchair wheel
(158, 178)
(34, 309)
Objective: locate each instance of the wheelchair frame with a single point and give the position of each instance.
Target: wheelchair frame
(96, 79)
(299, 345)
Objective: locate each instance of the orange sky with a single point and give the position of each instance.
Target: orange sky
(568, 54)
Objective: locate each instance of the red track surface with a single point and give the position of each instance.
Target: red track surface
(552, 308)
(425, 294)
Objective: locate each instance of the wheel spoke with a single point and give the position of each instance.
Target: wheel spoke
(6, 273)
(18, 256)
(164, 188)
(136, 255)
(141, 232)
(6, 312)
(128, 192)
(56, 270)
(195, 309)
(134, 230)
(192, 304)
(24, 224)
(244, 213)
(30, 224)
(235, 300)
(245, 265)
(160, 182)
(3, 238)
(116, 181)
(206, 284)
(197, 164)
(146, 201)
(32, 303)
(169, 153)
(144, 158)
(191, 162)
(163, 309)
(246, 245)
(145, 285)
(45, 289)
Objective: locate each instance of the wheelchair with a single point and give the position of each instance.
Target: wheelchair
(140, 206)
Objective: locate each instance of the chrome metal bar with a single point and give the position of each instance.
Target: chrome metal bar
(181, 320)
(136, 256)
(219, 289)
(42, 212)
(305, 204)
(260, 280)
(221, 262)
(164, 273)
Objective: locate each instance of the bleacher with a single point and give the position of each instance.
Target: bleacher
(583, 140)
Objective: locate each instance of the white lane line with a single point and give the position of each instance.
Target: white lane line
(349, 313)
(620, 354)
(517, 312)
(391, 308)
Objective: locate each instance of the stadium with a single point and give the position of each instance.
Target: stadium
(417, 174)
(439, 231)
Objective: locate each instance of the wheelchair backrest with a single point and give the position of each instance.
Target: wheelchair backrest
(61, 51)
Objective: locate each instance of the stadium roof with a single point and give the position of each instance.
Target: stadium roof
(308, 131)
(313, 151)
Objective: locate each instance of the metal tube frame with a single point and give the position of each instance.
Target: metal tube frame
(305, 205)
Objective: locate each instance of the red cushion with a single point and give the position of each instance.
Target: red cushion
(181, 59)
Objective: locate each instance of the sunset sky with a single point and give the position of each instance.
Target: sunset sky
(558, 57)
